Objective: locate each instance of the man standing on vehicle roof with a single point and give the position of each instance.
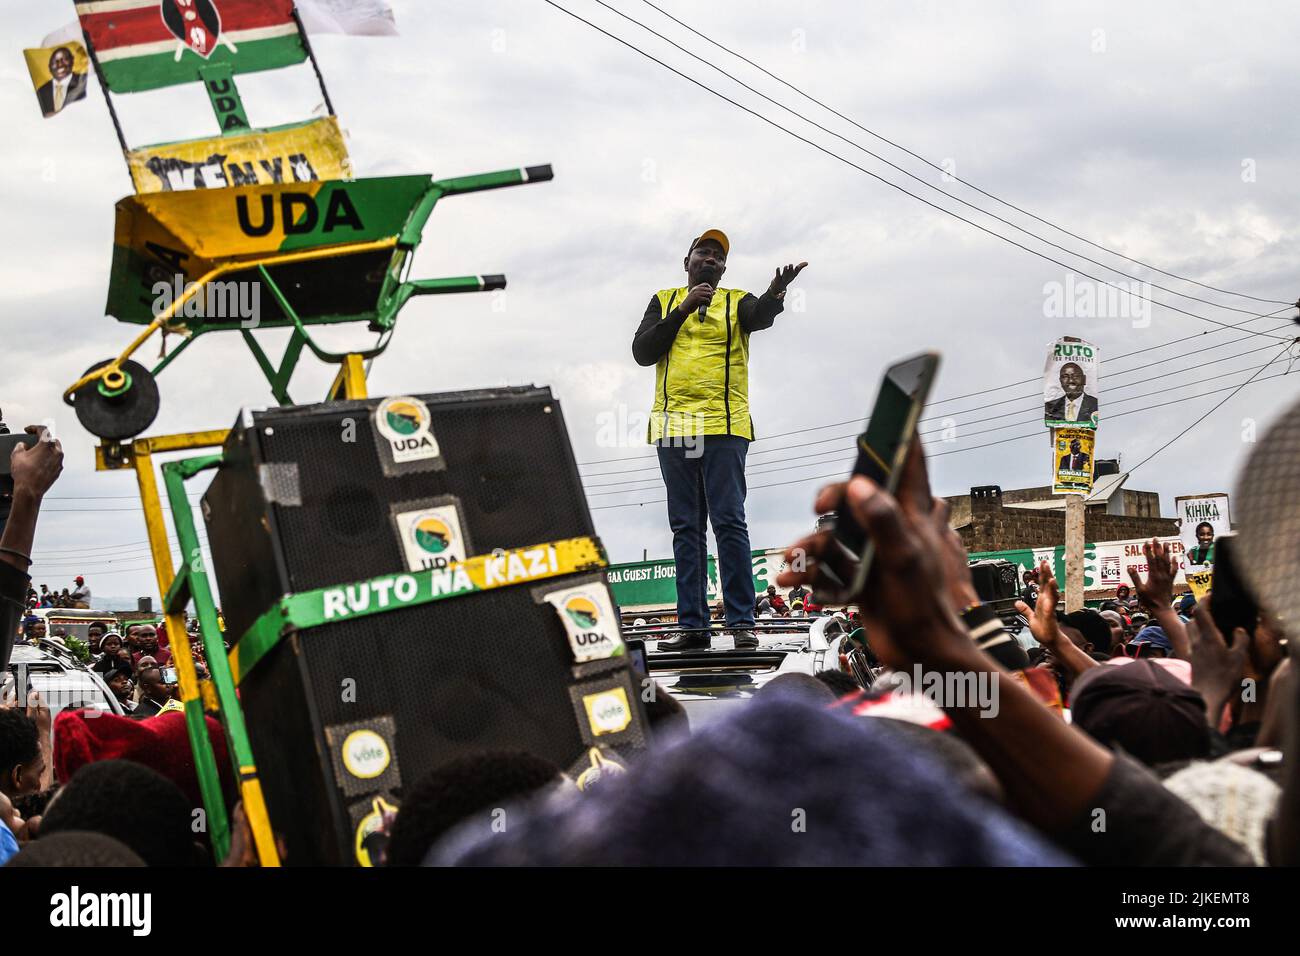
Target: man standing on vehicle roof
(81, 593)
(697, 337)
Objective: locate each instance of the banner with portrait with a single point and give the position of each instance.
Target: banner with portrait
(1070, 379)
(1201, 519)
(1072, 456)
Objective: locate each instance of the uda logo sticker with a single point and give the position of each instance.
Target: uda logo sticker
(589, 621)
(404, 424)
(431, 537)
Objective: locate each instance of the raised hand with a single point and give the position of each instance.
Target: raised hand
(1157, 591)
(1042, 617)
(784, 276)
(1217, 669)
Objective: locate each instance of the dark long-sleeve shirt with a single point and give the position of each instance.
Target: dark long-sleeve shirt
(654, 337)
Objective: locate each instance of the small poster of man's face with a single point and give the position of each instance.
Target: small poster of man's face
(58, 75)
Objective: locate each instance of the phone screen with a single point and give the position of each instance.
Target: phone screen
(883, 444)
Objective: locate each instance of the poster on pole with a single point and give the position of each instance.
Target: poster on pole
(1070, 380)
(1072, 460)
(1201, 519)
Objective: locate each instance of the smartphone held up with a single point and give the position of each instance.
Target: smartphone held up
(881, 451)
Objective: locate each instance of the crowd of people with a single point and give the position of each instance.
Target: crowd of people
(1138, 732)
(78, 596)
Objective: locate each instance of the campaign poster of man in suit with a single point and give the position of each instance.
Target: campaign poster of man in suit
(1070, 385)
(59, 75)
(1073, 456)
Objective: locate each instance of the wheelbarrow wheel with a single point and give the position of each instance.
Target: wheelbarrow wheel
(121, 413)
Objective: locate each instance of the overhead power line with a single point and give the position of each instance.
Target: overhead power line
(878, 177)
(908, 173)
(941, 169)
(1039, 433)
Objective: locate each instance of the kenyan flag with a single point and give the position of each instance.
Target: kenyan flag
(148, 44)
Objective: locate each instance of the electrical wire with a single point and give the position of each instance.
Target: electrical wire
(929, 185)
(941, 169)
(1002, 441)
(876, 176)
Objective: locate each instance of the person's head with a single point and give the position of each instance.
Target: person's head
(146, 638)
(840, 682)
(1142, 709)
(95, 632)
(36, 630)
(61, 61)
(798, 686)
(1029, 577)
(119, 681)
(1122, 592)
(21, 761)
(76, 848)
(716, 799)
(1151, 641)
(111, 643)
(1205, 534)
(1072, 380)
(1076, 446)
(446, 796)
(771, 590)
(707, 259)
(131, 803)
(153, 686)
(1116, 625)
(1094, 628)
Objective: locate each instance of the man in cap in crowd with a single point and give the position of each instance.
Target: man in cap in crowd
(697, 337)
(80, 595)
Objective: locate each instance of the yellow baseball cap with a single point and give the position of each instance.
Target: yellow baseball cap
(718, 236)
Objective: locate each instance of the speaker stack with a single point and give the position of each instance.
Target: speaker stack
(342, 716)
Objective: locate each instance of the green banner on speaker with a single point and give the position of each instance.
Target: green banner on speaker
(391, 592)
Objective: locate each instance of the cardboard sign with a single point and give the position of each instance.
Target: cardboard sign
(1201, 520)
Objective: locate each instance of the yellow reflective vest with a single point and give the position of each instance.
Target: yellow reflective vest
(702, 382)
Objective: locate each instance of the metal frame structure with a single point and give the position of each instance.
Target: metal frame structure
(190, 582)
(292, 613)
(394, 293)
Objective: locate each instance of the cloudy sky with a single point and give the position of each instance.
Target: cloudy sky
(1162, 130)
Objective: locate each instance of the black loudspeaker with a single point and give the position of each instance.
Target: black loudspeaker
(995, 579)
(342, 716)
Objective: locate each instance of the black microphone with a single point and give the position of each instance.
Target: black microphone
(703, 309)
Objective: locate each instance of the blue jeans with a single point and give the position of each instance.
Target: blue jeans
(706, 483)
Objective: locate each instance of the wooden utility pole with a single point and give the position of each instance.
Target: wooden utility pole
(1074, 512)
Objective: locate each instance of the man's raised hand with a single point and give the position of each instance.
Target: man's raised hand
(784, 276)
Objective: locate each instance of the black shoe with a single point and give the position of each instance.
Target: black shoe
(686, 642)
(745, 640)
